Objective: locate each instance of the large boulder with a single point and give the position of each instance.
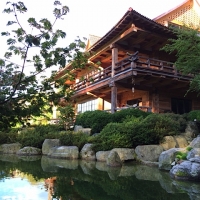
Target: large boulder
(187, 170)
(79, 128)
(181, 141)
(195, 152)
(29, 151)
(125, 153)
(113, 159)
(66, 152)
(148, 152)
(48, 144)
(191, 131)
(168, 142)
(102, 155)
(166, 158)
(196, 142)
(10, 148)
(87, 153)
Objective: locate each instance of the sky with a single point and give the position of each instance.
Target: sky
(86, 17)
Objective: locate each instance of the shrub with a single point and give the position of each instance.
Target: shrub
(70, 138)
(8, 137)
(121, 115)
(194, 114)
(96, 120)
(136, 131)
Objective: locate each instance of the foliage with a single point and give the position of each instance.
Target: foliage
(122, 114)
(95, 120)
(67, 115)
(24, 94)
(194, 115)
(181, 155)
(136, 131)
(70, 138)
(186, 46)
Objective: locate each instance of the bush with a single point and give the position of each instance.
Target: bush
(96, 120)
(194, 114)
(70, 138)
(8, 137)
(136, 131)
(121, 115)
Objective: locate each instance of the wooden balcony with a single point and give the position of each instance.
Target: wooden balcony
(127, 68)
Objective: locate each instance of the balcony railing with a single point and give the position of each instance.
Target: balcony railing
(142, 65)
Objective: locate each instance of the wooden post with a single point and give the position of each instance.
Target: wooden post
(112, 83)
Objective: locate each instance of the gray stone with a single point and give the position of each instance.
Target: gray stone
(196, 142)
(10, 148)
(77, 128)
(193, 153)
(191, 131)
(29, 151)
(166, 158)
(102, 155)
(66, 152)
(148, 152)
(168, 143)
(87, 153)
(125, 153)
(187, 170)
(48, 144)
(113, 159)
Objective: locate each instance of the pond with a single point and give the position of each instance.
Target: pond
(43, 178)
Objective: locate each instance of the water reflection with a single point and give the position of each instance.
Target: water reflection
(82, 180)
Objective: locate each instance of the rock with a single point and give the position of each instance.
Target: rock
(193, 153)
(66, 152)
(191, 131)
(125, 153)
(29, 151)
(113, 159)
(48, 144)
(181, 141)
(10, 148)
(166, 158)
(196, 142)
(77, 128)
(168, 143)
(102, 155)
(187, 170)
(148, 152)
(87, 153)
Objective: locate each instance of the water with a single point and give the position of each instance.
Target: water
(36, 178)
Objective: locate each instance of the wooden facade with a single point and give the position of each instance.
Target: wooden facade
(134, 70)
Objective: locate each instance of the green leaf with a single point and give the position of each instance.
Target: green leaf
(11, 41)
(5, 33)
(10, 23)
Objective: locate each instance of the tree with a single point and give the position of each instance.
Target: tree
(186, 46)
(24, 95)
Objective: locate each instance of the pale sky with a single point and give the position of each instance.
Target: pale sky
(86, 17)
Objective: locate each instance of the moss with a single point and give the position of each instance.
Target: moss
(181, 174)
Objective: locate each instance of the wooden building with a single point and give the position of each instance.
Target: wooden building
(133, 69)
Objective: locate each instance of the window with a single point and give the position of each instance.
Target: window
(180, 106)
(87, 106)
